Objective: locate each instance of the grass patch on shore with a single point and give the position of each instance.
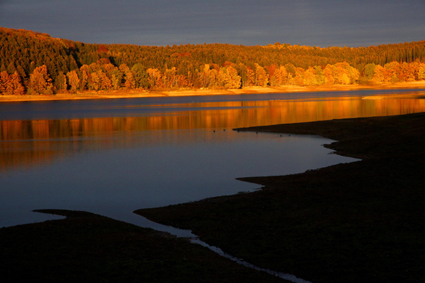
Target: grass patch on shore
(355, 222)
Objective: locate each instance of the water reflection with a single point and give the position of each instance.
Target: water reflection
(31, 142)
(144, 153)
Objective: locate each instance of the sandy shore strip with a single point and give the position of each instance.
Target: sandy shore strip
(203, 92)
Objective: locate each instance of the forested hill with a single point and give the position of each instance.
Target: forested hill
(70, 65)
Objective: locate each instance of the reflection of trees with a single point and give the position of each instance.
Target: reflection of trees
(33, 141)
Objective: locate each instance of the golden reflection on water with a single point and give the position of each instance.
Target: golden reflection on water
(25, 143)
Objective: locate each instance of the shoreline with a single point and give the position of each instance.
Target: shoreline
(344, 223)
(205, 92)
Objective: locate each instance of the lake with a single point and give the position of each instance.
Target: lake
(112, 157)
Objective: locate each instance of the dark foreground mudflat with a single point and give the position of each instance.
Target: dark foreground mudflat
(86, 247)
(356, 222)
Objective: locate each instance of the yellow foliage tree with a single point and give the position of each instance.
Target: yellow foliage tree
(73, 80)
(261, 78)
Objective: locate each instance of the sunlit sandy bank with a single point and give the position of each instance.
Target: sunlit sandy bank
(203, 92)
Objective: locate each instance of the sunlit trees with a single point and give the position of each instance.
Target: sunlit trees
(130, 83)
(328, 75)
(60, 82)
(154, 78)
(407, 72)
(391, 72)
(345, 74)
(17, 87)
(94, 81)
(11, 84)
(73, 80)
(421, 72)
(261, 78)
(310, 78)
(85, 77)
(242, 72)
(40, 81)
(233, 80)
(204, 76)
(104, 81)
(116, 78)
(4, 81)
(369, 71)
(250, 77)
(118, 66)
(378, 74)
(299, 76)
(271, 72)
(319, 75)
(280, 76)
(141, 76)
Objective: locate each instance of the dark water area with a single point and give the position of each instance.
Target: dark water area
(114, 156)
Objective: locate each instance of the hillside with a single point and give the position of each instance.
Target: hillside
(36, 63)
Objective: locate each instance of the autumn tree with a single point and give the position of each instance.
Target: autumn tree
(84, 77)
(73, 80)
(130, 82)
(231, 78)
(141, 76)
(328, 75)
(319, 75)
(299, 76)
(11, 84)
(280, 77)
(369, 71)
(104, 81)
(421, 72)
(378, 74)
(310, 78)
(204, 76)
(4, 82)
(60, 82)
(40, 81)
(170, 78)
(116, 78)
(271, 72)
(261, 77)
(94, 81)
(242, 71)
(154, 78)
(18, 88)
(250, 77)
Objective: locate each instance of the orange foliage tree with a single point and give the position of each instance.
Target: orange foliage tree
(40, 81)
(73, 80)
(11, 84)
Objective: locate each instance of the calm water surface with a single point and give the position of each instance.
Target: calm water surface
(114, 156)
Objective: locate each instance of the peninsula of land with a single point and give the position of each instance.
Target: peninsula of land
(354, 222)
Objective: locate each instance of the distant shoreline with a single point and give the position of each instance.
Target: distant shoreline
(204, 92)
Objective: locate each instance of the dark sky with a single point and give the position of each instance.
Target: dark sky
(167, 22)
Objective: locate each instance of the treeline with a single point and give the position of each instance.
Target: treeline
(36, 63)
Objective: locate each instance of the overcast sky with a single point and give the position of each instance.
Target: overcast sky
(166, 22)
